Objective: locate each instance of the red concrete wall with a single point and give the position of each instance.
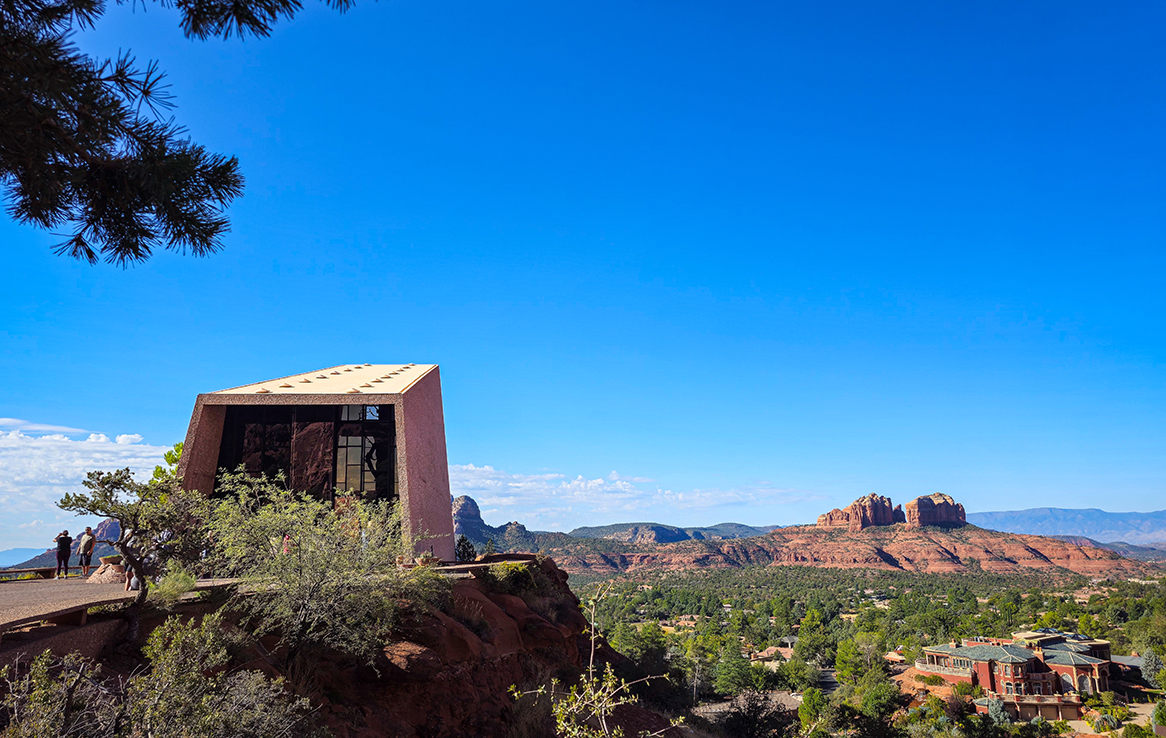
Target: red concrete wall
(200, 450)
(421, 446)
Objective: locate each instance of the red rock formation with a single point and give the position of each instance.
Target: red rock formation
(936, 509)
(450, 674)
(862, 513)
(888, 547)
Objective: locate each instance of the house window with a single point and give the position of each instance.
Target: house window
(1008, 687)
(1036, 689)
(1007, 670)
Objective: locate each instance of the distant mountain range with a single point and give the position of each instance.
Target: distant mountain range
(657, 533)
(1099, 525)
(467, 520)
(651, 546)
(16, 555)
(1149, 552)
(106, 530)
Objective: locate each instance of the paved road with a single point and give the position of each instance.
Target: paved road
(32, 600)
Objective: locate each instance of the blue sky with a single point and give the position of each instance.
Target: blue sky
(678, 262)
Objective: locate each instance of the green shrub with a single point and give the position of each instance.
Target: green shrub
(512, 578)
(172, 587)
(1136, 731)
(1158, 717)
(933, 680)
(963, 689)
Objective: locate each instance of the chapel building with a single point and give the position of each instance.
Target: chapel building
(377, 430)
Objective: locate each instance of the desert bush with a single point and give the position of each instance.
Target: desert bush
(510, 577)
(754, 715)
(172, 586)
(319, 576)
(183, 692)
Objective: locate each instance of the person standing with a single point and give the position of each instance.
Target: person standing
(85, 550)
(64, 550)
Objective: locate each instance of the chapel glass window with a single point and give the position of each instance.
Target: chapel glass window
(366, 451)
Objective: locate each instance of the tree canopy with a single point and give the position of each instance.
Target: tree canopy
(84, 148)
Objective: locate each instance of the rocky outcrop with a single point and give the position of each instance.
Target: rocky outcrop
(862, 513)
(865, 512)
(936, 509)
(448, 673)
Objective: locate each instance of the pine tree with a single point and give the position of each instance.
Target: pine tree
(732, 675)
(489, 548)
(1151, 667)
(465, 550)
(84, 146)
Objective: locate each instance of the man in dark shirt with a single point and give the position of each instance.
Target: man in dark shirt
(64, 546)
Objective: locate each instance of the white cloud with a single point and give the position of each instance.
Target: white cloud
(25, 425)
(129, 438)
(36, 471)
(539, 500)
(616, 476)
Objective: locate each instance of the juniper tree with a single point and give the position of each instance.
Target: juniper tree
(159, 524)
(84, 148)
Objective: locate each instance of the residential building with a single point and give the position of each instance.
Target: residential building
(1044, 672)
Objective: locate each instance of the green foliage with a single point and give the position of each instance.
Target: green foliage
(1102, 722)
(160, 524)
(997, 714)
(488, 549)
(1151, 667)
(177, 699)
(1158, 716)
(796, 675)
(933, 680)
(754, 715)
(814, 643)
(585, 710)
(85, 146)
(185, 693)
(170, 471)
(812, 709)
(848, 662)
(1136, 731)
(55, 698)
(319, 576)
(880, 700)
(763, 679)
(732, 673)
(511, 577)
(465, 550)
(172, 586)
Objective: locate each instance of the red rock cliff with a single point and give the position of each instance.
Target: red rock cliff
(450, 673)
(862, 513)
(934, 509)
